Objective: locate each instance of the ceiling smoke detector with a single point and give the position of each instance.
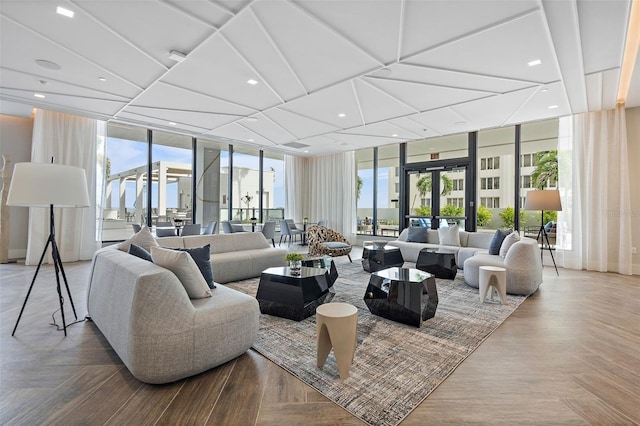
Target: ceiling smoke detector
(47, 64)
(177, 56)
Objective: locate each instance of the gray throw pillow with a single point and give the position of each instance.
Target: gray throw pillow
(496, 242)
(202, 257)
(140, 252)
(417, 234)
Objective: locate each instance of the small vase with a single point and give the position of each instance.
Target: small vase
(295, 266)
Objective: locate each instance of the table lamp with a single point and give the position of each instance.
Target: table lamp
(544, 199)
(48, 185)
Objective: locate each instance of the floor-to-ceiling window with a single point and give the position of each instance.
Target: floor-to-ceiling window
(364, 191)
(388, 189)
(496, 178)
(212, 163)
(273, 187)
(171, 167)
(126, 180)
(245, 184)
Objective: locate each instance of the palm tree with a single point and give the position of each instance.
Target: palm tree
(546, 169)
(424, 185)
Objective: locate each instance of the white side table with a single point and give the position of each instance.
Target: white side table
(337, 325)
(496, 277)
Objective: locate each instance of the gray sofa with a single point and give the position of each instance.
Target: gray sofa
(234, 257)
(522, 261)
(160, 334)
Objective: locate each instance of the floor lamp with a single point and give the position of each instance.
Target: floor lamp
(542, 200)
(48, 185)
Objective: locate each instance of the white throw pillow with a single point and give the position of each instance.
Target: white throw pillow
(508, 241)
(142, 238)
(449, 236)
(185, 268)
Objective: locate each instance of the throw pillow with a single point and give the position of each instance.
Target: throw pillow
(417, 234)
(138, 251)
(449, 236)
(509, 240)
(202, 257)
(496, 242)
(184, 267)
(142, 238)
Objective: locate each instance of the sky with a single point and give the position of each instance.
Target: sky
(366, 192)
(126, 155)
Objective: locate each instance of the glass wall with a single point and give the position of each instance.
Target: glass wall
(171, 170)
(496, 185)
(126, 180)
(388, 189)
(539, 152)
(246, 184)
(364, 191)
(273, 187)
(212, 164)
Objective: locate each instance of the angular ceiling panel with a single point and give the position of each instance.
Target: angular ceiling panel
(552, 101)
(374, 29)
(502, 51)
(431, 23)
(204, 121)
(300, 126)
(318, 55)
(268, 129)
(424, 97)
(377, 105)
(240, 133)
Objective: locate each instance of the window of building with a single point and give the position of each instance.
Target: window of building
(458, 184)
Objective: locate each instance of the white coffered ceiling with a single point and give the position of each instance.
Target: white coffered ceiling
(331, 75)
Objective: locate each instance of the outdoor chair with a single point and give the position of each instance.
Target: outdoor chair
(269, 230)
(193, 229)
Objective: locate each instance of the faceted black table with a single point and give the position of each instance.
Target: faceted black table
(323, 262)
(295, 297)
(375, 258)
(405, 295)
(439, 262)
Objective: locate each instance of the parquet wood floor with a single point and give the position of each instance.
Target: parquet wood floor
(569, 355)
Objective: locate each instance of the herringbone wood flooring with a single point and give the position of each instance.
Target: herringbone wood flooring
(569, 355)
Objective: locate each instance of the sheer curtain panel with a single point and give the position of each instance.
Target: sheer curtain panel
(594, 231)
(72, 141)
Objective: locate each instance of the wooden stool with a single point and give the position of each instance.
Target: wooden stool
(496, 277)
(337, 325)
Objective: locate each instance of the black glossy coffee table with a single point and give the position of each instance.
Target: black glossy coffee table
(439, 262)
(291, 296)
(379, 258)
(404, 295)
(326, 263)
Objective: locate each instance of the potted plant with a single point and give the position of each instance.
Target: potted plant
(295, 261)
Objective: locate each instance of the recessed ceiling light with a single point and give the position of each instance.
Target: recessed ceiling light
(102, 79)
(177, 56)
(171, 123)
(306, 151)
(544, 90)
(459, 123)
(47, 64)
(251, 119)
(65, 12)
(38, 95)
(250, 140)
(534, 62)
(395, 135)
(553, 106)
(252, 82)
(342, 115)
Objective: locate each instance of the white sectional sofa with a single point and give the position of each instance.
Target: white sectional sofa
(234, 257)
(522, 260)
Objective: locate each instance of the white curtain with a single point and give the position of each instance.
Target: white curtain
(322, 188)
(72, 141)
(595, 223)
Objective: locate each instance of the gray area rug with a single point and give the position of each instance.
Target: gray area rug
(396, 366)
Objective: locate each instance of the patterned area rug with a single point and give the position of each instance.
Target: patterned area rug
(396, 366)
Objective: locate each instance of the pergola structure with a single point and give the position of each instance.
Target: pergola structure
(162, 173)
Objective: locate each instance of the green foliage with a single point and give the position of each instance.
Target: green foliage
(107, 168)
(451, 210)
(359, 184)
(423, 211)
(424, 185)
(546, 169)
(294, 257)
(483, 216)
(507, 216)
(549, 216)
